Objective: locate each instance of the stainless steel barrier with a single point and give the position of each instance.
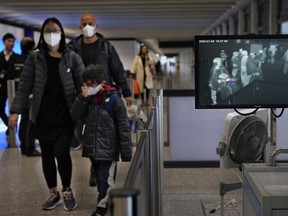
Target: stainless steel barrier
(11, 95)
(124, 202)
(131, 86)
(146, 170)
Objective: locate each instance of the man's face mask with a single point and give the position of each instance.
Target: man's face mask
(52, 39)
(89, 31)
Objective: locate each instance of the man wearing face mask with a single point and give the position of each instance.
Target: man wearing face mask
(94, 48)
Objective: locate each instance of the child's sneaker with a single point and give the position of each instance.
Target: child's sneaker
(52, 201)
(69, 200)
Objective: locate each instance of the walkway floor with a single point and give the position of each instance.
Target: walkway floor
(187, 191)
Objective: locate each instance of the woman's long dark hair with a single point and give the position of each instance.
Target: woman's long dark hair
(43, 45)
(140, 50)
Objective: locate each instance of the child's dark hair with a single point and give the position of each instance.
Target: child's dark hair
(93, 72)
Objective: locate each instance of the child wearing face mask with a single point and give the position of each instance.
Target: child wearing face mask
(53, 75)
(106, 130)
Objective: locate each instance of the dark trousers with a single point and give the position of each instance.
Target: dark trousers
(142, 95)
(25, 133)
(147, 94)
(3, 115)
(105, 173)
(59, 149)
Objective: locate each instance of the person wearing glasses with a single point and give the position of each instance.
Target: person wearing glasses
(53, 75)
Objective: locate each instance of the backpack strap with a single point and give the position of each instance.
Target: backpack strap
(72, 63)
(112, 99)
(107, 51)
(107, 47)
(71, 58)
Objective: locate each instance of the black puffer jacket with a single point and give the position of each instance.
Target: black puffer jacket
(34, 77)
(107, 56)
(105, 134)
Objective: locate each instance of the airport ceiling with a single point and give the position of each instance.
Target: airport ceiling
(167, 26)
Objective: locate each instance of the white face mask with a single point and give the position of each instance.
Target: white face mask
(89, 31)
(94, 90)
(52, 39)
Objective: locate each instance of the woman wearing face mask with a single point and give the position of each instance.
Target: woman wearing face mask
(53, 75)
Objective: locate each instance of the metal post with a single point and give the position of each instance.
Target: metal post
(131, 85)
(123, 202)
(271, 145)
(11, 95)
(158, 148)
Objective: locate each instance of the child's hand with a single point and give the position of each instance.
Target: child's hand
(84, 91)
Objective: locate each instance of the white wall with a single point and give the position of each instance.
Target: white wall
(36, 36)
(16, 31)
(194, 134)
(127, 50)
(186, 59)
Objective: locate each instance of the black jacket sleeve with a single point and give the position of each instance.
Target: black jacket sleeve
(124, 133)
(25, 86)
(118, 73)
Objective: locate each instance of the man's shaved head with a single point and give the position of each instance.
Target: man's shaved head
(89, 19)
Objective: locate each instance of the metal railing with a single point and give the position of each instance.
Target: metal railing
(11, 94)
(142, 191)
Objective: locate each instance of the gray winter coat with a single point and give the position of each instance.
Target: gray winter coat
(34, 77)
(105, 134)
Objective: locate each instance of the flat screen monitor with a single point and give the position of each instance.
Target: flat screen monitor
(241, 71)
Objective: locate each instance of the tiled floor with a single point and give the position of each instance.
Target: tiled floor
(23, 188)
(187, 191)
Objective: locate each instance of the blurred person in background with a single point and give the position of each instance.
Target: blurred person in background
(27, 144)
(7, 71)
(143, 69)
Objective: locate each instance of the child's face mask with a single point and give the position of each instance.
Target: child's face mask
(94, 90)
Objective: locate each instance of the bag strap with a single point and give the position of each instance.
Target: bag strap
(112, 100)
(107, 51)
(71, 58)
(72, 63)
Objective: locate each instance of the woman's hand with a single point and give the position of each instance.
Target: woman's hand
(13, 119)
